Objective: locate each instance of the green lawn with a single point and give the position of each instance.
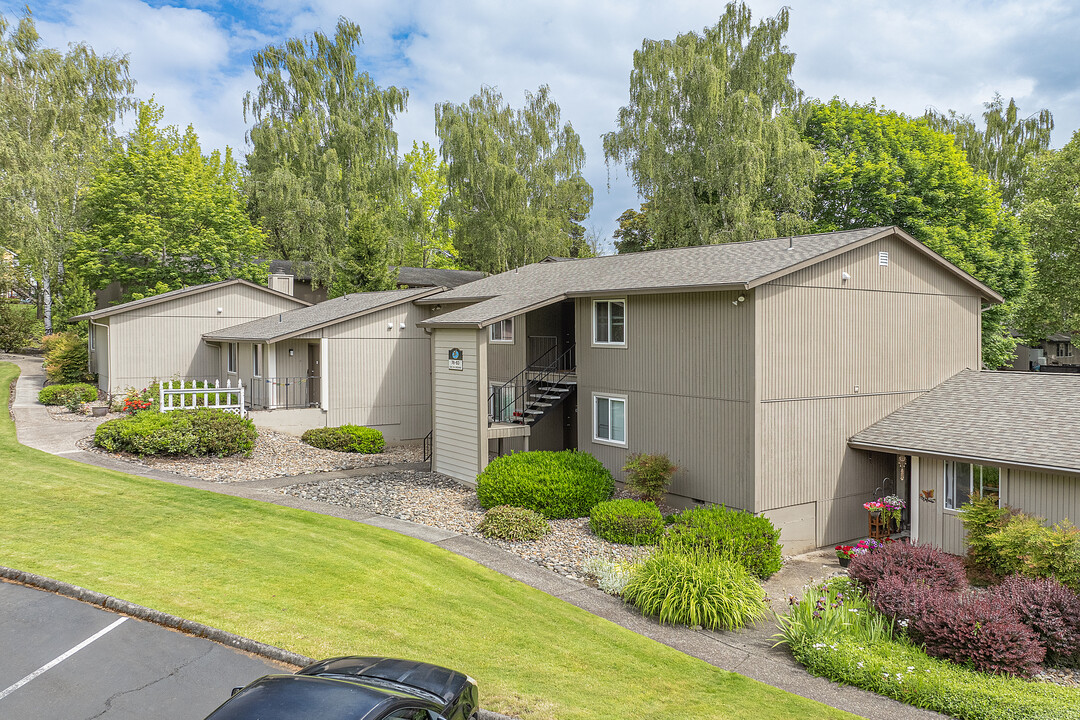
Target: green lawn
(323, 586)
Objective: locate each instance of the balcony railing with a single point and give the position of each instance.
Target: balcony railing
(278, 393)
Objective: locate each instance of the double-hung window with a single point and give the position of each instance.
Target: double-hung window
(963, 479)
(232, 351)
(503, 331)
(256, 359)
(609, 322)
(609, 419)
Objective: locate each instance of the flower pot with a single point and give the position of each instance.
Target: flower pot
(844, 561)
(100, 410)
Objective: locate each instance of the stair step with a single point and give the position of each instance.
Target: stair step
(556, 388)
(539, 404)
(546, 397)
(534, 412)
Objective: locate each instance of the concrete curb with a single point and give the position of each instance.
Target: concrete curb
(187, 627)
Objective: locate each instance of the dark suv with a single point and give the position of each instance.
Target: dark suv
(356, 688)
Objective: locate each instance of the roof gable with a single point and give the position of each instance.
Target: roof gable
(177, 294)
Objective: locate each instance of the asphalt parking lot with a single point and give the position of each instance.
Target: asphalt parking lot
(61, 659)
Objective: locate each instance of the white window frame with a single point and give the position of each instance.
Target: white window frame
(971, 487)
(93, 338)
(256, 360)
(608, 343)
(232, 354)
(504, 337)
(596, 397)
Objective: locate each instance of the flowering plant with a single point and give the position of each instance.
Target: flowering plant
(892, 507)
(874, 506)
(845, 551)
(136, 400)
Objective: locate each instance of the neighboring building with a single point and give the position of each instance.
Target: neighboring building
(1008, 433)
(160, 337)
(749, 364)
(1055, 354)
(295, 278)
(357, 359)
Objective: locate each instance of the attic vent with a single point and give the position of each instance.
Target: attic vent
(883, 258)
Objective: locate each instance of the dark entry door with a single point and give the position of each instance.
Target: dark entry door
(314, 374)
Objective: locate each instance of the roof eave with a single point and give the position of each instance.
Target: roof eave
(186, 292)
(479, 324)
(898, 449)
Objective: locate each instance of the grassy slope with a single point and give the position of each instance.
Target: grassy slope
(323, 586)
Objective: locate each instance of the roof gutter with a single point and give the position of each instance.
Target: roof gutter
(976, 459)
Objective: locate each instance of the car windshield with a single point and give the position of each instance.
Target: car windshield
(289, 697)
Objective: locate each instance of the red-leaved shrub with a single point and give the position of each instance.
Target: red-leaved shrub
(903, 602)
(980, 629)
(912, 564)
(1051, 610)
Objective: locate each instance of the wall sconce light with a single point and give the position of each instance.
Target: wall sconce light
(402, 326)
(291, 352)
(742, 298)
(220, 310)
(389, 326)
(844, 277)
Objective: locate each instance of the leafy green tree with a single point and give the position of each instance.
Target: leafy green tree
(1002, 148)
(1051, 210)
(16, 327)
(707, 135)
(429, 242)
(56, 120)
(516, 191)
(883, 168)
(161, 216)
(363, 265)
(75, 299)
(633, 234)
(323, 149)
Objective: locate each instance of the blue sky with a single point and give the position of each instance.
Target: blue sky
(195, 57)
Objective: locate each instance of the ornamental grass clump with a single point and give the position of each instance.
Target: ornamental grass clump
(516, 524)
(565, 484)
(346, 438)
(630, 522)
(828, 612)
(695, 589)
(749, 540)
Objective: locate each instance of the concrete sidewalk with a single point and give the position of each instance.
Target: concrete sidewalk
(749, 652)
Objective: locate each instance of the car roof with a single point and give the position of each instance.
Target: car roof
(296, 697)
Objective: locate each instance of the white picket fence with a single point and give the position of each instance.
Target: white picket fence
(172, 395)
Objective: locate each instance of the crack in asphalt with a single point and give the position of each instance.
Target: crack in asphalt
(177, 669)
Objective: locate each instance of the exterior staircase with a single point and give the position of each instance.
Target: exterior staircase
(546, 396)
(534, 392)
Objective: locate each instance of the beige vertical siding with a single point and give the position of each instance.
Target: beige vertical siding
(380, 373)
(459, 417)
(687, 373)
(295, 366)
(1052, 496)
(835, 356)
(165, 340)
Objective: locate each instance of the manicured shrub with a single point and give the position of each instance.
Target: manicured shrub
(66, 358)
(564, 484)
(181, 432)
(1026, 546)
(902, 601)
(17, 327)
(982, 518)
(630, 522)
(695, 589)
(648, 476)
(1051, 610)
(981, 630)
(64, 394)
(346, 438)
(750, 540)
(911, 564)
(515, 524)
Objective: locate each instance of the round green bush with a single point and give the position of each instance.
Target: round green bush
(64, 394)
(750, 540)
(564, 484)
(180, 432)
(694, 588)
(346, 438)
(630, 522)
(507, 522)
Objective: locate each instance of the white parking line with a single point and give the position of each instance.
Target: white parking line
(49, 665)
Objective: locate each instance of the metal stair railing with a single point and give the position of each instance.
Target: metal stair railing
(510, 401)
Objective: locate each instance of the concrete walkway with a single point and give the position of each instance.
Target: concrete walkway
(749, 652)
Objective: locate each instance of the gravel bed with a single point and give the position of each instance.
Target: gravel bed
(57, 412)
(275, 455)
(1059, 676)
(438, 501)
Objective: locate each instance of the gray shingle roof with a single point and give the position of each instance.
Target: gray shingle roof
(173, 294)
(1008, 418)
(302, 320)
(743, 264)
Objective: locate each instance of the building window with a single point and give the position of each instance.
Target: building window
(609, 419)
(609, 322)
(963, 479)
(93, 338)
(1062, 349)
(256, 360)
(232, 349)
(501, 402)
(503, 331)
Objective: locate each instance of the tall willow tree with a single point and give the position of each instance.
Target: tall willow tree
(56, 120)
(1002, 148)
(514, 177)
(324, 152)
(428, 242)
(708, 138)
